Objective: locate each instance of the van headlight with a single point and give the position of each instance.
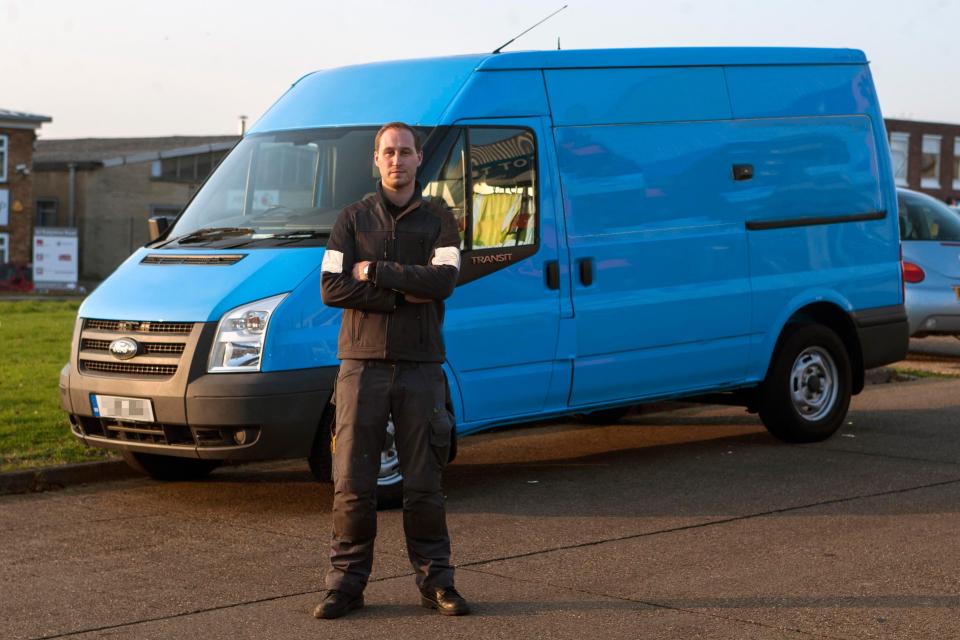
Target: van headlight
(241, 333)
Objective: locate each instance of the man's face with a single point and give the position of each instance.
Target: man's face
(397, 158)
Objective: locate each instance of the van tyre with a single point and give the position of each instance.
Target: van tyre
(806, 393)
(169, 468)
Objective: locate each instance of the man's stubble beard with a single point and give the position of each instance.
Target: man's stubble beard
(398, 185)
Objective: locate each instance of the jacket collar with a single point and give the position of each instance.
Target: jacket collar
(410, 206)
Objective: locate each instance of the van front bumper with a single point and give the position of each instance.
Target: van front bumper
(277, 414)
(217, 416)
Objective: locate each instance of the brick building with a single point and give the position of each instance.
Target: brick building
(926, 157)
(108, 187)
(18, 132)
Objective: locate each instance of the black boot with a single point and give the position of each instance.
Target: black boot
(445, 600)
(336, 604)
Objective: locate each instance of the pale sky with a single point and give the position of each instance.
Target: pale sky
(125, 68)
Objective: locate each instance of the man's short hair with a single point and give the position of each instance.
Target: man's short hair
(417, 144)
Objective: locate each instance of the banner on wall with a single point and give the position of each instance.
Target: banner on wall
(55, 258)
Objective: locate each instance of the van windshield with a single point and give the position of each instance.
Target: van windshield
(284, 186)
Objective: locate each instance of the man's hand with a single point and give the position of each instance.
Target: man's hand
(358, 270)
(415, 299)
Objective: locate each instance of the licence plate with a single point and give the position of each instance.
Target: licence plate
(139, 409)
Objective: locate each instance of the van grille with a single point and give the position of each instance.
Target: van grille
(129, 368)
(135, 326)
(162, 346)
(160, 259)
(88, 344)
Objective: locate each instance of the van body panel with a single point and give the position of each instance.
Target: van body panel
(821, 170)
(613, 96)
(502, 94)
(766, 92)
(138, 291)
(303, 332)
(671, 282)
(414, 91)
(806, 168)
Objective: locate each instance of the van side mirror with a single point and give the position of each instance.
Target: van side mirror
(158, 225)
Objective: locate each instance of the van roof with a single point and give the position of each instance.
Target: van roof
(420, 91)
(669, 57)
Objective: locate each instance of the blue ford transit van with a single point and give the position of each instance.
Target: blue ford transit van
(636, 225)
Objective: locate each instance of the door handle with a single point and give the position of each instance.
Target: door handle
(742, 172)
(553, 274)
(586, 271)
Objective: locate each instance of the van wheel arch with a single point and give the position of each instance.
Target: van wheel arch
(837, 320)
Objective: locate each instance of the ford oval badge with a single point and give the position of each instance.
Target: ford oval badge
(124, 348)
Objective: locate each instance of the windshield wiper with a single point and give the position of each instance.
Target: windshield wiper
(212, 233)
(284, 238)
(303, 233)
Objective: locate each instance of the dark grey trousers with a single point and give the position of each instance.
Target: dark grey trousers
(368, 391)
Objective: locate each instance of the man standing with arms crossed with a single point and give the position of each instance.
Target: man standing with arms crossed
(391, 260)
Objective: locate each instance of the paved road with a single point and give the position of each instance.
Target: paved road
(687, 524)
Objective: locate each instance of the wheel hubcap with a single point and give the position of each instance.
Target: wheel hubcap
(389, 459)
(813, 383)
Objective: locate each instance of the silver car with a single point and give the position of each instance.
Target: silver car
(930, 235)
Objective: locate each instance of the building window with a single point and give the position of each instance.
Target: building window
(46, 212)
(3, 158)
(930, 162)
(899, 152)
(193, 168)
(4, 248)
(956, 163)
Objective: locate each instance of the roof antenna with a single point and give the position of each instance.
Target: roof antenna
(558, 43)
(497, 50)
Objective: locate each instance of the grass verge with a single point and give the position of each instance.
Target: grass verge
(34, 431)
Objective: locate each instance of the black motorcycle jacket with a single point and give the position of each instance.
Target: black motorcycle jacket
(416, 252)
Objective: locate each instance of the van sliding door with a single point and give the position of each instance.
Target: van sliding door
(661, 290)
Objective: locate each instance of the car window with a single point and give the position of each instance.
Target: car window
(923, 218)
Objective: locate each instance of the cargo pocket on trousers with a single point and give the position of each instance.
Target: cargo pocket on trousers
(440, 432)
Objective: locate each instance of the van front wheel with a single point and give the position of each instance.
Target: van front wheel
(806, 393)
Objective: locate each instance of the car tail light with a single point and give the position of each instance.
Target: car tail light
(912, 273)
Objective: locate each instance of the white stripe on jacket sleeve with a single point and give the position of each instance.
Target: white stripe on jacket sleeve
(449, 256)
(332, 262)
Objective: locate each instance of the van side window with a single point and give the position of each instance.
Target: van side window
(503, 184)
